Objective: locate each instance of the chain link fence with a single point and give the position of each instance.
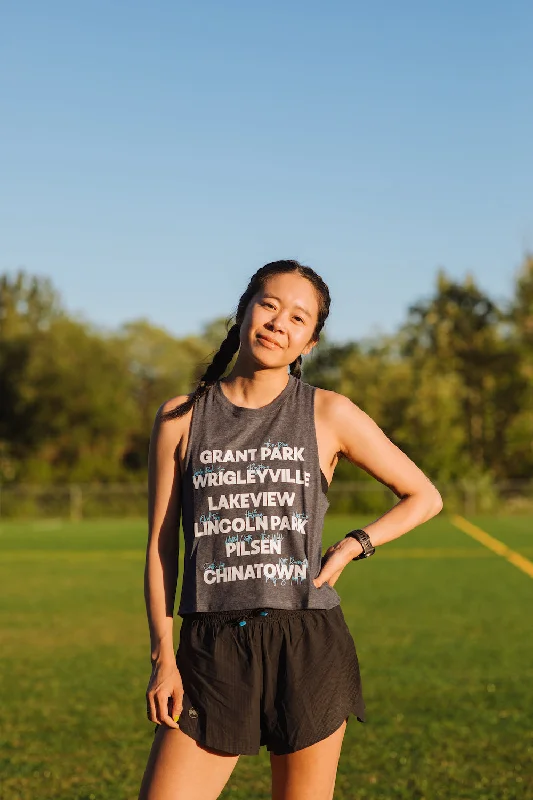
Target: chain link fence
(78, 501)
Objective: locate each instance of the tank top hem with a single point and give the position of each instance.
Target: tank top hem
(239, 608)
(274, 612)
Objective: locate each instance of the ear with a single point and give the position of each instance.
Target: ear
(309, 346)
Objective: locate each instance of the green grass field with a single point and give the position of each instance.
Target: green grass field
(441, 624)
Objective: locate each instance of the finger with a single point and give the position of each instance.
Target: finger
(323, 576)
(334, 578)
(172, 708)
(150, 710)
(329, 571)
(161, 700)
(177, 704)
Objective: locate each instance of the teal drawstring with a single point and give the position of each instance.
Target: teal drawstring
(242, 622)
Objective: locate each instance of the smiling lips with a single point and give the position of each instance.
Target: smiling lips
(268, 341)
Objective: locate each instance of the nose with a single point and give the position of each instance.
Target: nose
(277, 322)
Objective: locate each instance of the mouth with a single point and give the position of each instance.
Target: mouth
(267, 342)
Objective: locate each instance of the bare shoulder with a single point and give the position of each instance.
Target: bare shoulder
(169, 432)
(336, 409)
(328, 400)
(169, 405)
(353, 427)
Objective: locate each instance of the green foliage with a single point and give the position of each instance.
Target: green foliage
(452, 387)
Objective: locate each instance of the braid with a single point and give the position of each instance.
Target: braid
(220, 361)
(296, 367)
(214, 371)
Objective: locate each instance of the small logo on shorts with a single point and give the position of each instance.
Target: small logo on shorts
(193, 713)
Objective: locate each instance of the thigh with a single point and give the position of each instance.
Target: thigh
(179, 768)
(308, 774)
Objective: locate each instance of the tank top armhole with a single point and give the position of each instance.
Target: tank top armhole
(187, 457)
(323, 480)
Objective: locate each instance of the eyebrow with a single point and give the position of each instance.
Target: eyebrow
(305, 311)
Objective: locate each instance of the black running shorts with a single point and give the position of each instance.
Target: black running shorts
(276, 677)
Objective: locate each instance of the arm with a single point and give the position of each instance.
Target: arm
(164, 508)
(363, 443)
(161, 568)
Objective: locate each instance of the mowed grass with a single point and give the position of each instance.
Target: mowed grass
(441, 624)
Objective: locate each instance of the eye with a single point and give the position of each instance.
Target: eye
(300, 318)
(270, 305)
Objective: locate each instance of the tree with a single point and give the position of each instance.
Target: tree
(460, 332)
(518, 446)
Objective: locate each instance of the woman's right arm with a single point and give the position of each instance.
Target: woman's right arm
(161, 568)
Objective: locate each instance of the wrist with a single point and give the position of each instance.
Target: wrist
(353, 547)
(162, 655)
(163, 661)
(365, 546)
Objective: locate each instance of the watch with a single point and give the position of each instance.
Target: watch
(364, 540)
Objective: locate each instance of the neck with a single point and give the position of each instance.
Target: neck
(254, 388)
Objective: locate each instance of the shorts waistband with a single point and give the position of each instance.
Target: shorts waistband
(244, 615)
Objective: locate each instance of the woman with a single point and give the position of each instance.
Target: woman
(265, 656)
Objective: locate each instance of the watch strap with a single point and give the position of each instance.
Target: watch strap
(364, 540)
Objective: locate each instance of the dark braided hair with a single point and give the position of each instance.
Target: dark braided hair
(231, 343)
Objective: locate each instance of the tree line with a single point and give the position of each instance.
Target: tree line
(452, 386)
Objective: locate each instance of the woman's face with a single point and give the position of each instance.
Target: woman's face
(285, 311)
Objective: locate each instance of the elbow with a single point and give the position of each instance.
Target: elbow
(429, 500)
(436, 503)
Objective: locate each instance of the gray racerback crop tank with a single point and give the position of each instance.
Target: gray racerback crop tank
(253, 505)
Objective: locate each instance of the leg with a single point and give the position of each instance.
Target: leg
(308, 774)
(180, 769)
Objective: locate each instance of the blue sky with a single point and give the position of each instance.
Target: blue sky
(154, 155)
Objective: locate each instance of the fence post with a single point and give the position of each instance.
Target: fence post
(76, 500)
(471, 498)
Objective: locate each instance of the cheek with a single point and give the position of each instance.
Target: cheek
(299, 339)
(251, 322)
(257, 317)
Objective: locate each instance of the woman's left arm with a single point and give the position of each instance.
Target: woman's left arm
(363, 443)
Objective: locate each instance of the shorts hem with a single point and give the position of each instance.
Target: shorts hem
(202, 740)
(283, 751)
